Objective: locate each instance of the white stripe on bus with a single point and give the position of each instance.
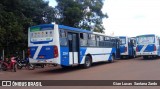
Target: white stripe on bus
(37, 52)
(144, 47)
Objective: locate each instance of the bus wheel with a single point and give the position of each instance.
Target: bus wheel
(112, 59)
(121, 57)
(88, 62)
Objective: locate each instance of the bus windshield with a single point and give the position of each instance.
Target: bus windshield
(41, 35)
(145, 39)
(123, 40)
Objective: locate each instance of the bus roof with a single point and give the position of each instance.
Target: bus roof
(70, 28)
(123, 36)
(43, 25)
(146, 35)
(62, 27)
(74, 29)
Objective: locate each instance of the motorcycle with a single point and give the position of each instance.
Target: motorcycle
(24, 63)
(8, 64)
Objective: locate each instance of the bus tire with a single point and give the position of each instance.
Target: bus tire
(121, 57)
(88, 62)
(112, 58)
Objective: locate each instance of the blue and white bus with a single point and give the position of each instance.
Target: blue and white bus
(68, 46)
(148, 46)
(127, 46)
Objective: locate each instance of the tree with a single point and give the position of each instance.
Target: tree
(15, 18)
(68, 12)
(84, 14)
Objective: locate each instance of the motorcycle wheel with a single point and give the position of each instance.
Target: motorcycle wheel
(19, 67)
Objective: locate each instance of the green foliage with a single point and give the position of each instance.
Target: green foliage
(15, 18)
(84, 14)
(69, 12)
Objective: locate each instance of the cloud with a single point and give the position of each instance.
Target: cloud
(132, 17)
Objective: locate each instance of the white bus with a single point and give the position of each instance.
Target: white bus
(68, 46)
(148, 46)
(127, 47)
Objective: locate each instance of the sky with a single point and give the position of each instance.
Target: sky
(130, 17)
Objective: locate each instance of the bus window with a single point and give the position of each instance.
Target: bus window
(98, 39)
(101, 38)
(92, 40)
(81, 36)
(101, 41)
(63, 37)
(83, 39)
(93, 37)
(107, 38)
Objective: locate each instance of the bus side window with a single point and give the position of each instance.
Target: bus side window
(107, 41)
(93, 37)
(83, 39)
(101, 41)
(92, 40)
(98, 40)
(63, 37)
(81, 36)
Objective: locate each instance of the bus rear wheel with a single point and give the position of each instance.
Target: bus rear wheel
(88, 62)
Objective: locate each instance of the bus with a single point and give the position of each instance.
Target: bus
(68, 46)
(127, 47)
(148, 46)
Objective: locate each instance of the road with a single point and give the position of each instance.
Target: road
(126, 69)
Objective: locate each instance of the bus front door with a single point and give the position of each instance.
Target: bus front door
(73, 48)
(117, 49)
